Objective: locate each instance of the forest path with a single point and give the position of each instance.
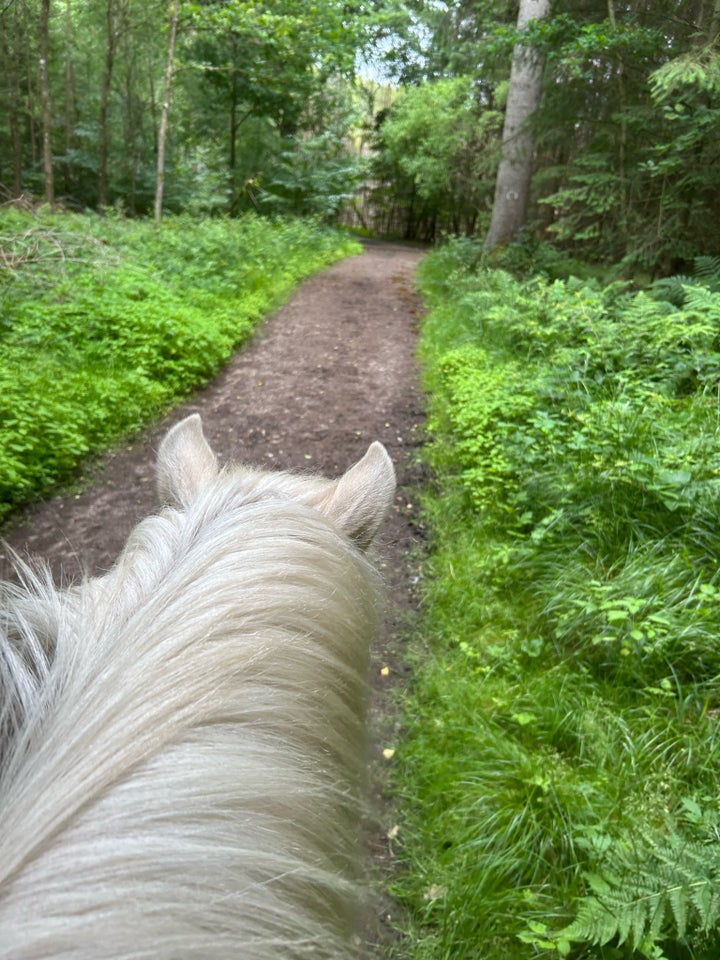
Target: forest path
(328, 373)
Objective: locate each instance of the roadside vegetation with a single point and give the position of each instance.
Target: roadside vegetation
(106, 322)
(558, 780)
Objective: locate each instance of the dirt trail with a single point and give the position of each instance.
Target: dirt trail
(331, 371)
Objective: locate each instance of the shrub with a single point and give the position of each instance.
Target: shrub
(563, 718)
(106, 323)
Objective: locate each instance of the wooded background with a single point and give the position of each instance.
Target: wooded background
(395, 107)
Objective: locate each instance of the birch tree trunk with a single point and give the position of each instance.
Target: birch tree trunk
(162, 135)
(512, 187)
(45, 100)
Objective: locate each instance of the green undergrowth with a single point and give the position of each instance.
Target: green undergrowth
(558, 779)
(104, 323)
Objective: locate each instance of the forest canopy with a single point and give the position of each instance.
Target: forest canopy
(390, 109)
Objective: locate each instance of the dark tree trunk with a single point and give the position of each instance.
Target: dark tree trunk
(11, 41)
(115, 18)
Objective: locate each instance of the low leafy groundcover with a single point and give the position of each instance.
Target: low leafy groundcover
(559, 775)
(107, 322)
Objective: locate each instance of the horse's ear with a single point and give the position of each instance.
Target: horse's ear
(362, 497)
(185, 462)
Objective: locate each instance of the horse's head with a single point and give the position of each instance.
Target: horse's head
(357, 503)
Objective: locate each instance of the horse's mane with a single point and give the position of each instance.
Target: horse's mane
(182, 740)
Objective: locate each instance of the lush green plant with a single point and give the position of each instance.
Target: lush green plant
(655, 886)
(106, 322)
(564, 717)
(317, 177)
(442, 150)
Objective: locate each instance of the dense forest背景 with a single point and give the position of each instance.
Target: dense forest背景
(557, 775)
(394, 105)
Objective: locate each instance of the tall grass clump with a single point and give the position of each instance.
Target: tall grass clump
(105, 322)
(559, 778)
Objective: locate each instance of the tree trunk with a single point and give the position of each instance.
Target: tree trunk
(233, 126)
(162, 135)
(512, 187)
(69, 111)
(30, 102)
(131, 138)
(102, 117)
(11, 69)
(115, 21)
(623, 142)
(45, 100)
(153, 107)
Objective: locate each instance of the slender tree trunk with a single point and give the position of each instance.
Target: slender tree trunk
(69, 99)
(32, 121)
(11, 68)
(16, 150)
(115, 19)
(131, 141)
(512, 188)
(29, 101)
(622, 145)
(153, 106)
(232, 155)
(162, 135)
(233, 128)
(102, 117)
(45, 100)
(132, 125)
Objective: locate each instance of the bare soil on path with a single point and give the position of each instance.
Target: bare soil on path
(331, 371)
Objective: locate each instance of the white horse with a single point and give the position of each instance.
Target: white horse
(182, 740)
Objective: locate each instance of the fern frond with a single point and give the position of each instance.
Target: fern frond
(679, 902)
(659, 889)
(595, 923)
(671, 289)
(702, 298)
(707, 271)
(674, 289)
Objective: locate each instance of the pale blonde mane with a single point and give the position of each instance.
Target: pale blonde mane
(182, 740)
